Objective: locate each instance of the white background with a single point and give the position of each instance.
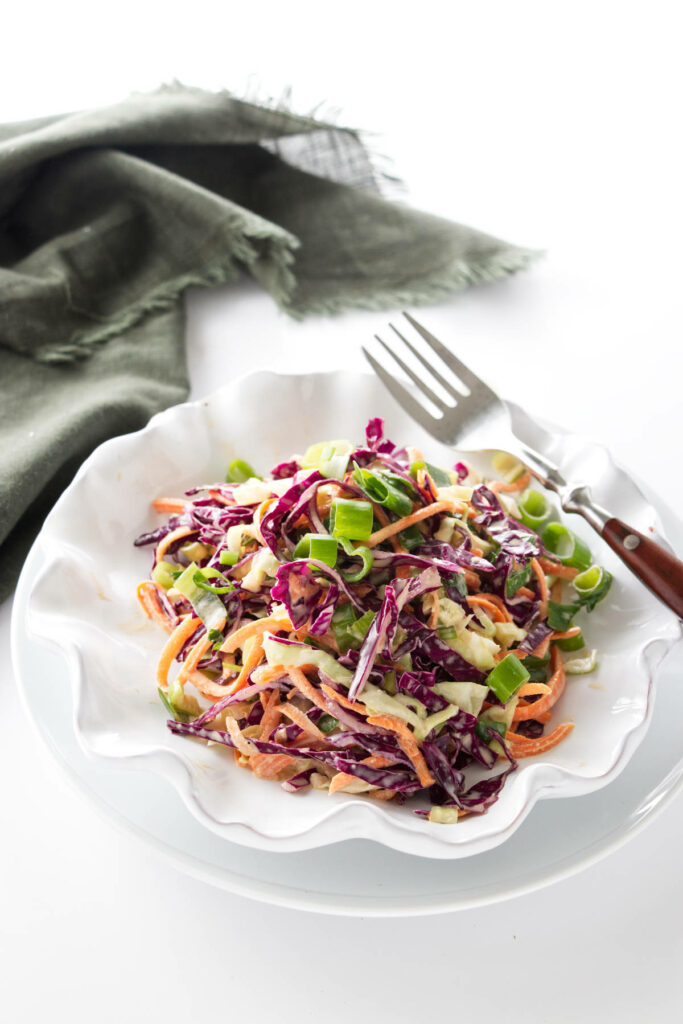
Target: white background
(555, 126)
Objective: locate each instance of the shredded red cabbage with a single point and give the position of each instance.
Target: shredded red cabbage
(403, 647)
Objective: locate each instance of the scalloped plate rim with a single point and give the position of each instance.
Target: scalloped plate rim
(348, 818)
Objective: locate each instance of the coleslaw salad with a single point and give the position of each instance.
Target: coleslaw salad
(365, 622)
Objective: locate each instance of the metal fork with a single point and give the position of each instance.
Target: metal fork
(484, 419)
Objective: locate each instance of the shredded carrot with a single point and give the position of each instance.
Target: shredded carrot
(407, 743)
(543, 586)
(267, 673)
(272, 714)
(493, 603)
(500, 487)
(556, 684)
(536, 700)
(472, 579)
(172, 647)
(253, 658)
(207, 687)
(402, 571)
(305, 688)
(542, 649)
(538, 652)
(521, 746)
(297, 716)
(269, 766)
(563, 572)
(533, 689)
(220, 498)
(344, 701)
(166, 542)
(402, 524)
(436, 607)
(169, 506)
(271, 624)
(241, 742)
(341, 779)
(574, 631)
(194, 656)
(148, 598)
(261, 511)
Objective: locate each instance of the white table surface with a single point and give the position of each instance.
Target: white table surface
(556, 126)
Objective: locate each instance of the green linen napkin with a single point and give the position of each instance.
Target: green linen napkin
(107, 216)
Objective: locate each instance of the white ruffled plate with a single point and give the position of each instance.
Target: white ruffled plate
(83, 604)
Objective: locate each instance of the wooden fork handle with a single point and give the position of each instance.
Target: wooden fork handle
(657, 568)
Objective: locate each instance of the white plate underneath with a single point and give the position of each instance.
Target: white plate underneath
(358, 877)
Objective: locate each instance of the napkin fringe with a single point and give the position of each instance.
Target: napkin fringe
(274, 272)
(455, 276)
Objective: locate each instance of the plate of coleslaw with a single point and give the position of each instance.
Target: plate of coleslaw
(317, 623)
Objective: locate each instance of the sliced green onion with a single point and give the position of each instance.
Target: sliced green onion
(229, 557)
(457, 580)
(534, 508)
(359, 629)
(447, 634)
(571, 643)
(566, 546)
(342, 618)
(516, 579)
(312, 642)
(240, 471)
(581, 666)
(199, 580)
(537, 668)
(400, 482)
(352, 519)
(327, 723)
(350, 632)
(560, 616)
(334, 460)
(162, 573)
(507, 466)
(208, 606)
(329, 457)
(216, 637)
(366, 556)
(174, 712)
(315, 545)
(343, 615)
(382, 491)
(592, 585)
(412, 537)
(441, 477)
(484, 728)
(195, 551)
(389, 683)
(507, 677)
